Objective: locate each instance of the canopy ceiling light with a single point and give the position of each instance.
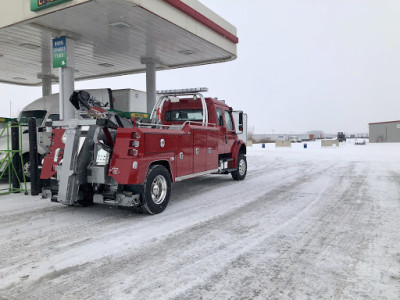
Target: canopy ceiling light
(106, 65)
(30, 46)
(186, 52)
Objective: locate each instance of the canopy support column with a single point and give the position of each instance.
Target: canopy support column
(66, 75)
(151, 64)
(46, 85)
(47, 64)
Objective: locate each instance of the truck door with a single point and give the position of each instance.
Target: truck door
(222, 131)
(230, 135)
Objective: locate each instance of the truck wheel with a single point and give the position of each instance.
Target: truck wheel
(26, 168)
(157, 190)
(241, 171)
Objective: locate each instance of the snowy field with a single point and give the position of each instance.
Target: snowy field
(315, 223)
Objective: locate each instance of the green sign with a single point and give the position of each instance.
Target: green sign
(6, 120)
(60, 52)
(37, 5)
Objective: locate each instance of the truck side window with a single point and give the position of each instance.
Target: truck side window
(24, 116)
(228, 120)
(184, 115)
(220, 119)
(54, 117)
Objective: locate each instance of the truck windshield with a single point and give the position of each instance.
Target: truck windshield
(24, 117)
(184, 115)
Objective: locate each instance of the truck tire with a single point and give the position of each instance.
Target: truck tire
(26, 167)
(156, 190)
(241, 170)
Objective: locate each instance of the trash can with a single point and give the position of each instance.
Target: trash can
(305, 145)
(263, 145)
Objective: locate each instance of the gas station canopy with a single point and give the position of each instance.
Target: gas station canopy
(111, 37)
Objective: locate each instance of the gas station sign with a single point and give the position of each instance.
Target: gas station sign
(60, 52)
(37, 5)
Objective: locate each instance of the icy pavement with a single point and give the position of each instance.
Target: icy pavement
(305, 224)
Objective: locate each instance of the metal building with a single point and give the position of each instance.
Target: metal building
(384, 132)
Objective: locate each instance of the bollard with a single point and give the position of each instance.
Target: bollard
(33, 157)
(16, 159)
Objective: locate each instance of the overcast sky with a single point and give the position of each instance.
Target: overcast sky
(330, 65)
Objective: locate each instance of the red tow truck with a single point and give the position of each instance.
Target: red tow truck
(104, 158)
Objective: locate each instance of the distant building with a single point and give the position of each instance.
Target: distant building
(268, 138)
(316, 134)
(384, 132)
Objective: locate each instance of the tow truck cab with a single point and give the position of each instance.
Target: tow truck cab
(181, 142)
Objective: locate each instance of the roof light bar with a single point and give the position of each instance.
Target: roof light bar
(183, 91)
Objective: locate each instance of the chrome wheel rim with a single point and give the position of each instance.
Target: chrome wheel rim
(242, 167)
(159, 189)
(27, 169)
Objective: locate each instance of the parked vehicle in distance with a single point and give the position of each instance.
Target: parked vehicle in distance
(280, 138)
(295, 139)
(341, 137)
(360, 142)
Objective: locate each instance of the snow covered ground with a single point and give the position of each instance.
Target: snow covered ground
(315, 223)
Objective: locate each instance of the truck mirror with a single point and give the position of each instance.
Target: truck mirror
(48, 125)
(240, 122)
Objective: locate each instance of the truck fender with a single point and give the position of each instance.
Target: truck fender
(240, 147)
(164, 163)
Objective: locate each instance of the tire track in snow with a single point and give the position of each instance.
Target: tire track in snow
(58, 234)
(141, 258)
(53, 236)
(312, 258)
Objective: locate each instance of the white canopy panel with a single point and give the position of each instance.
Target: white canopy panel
(111, 37)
